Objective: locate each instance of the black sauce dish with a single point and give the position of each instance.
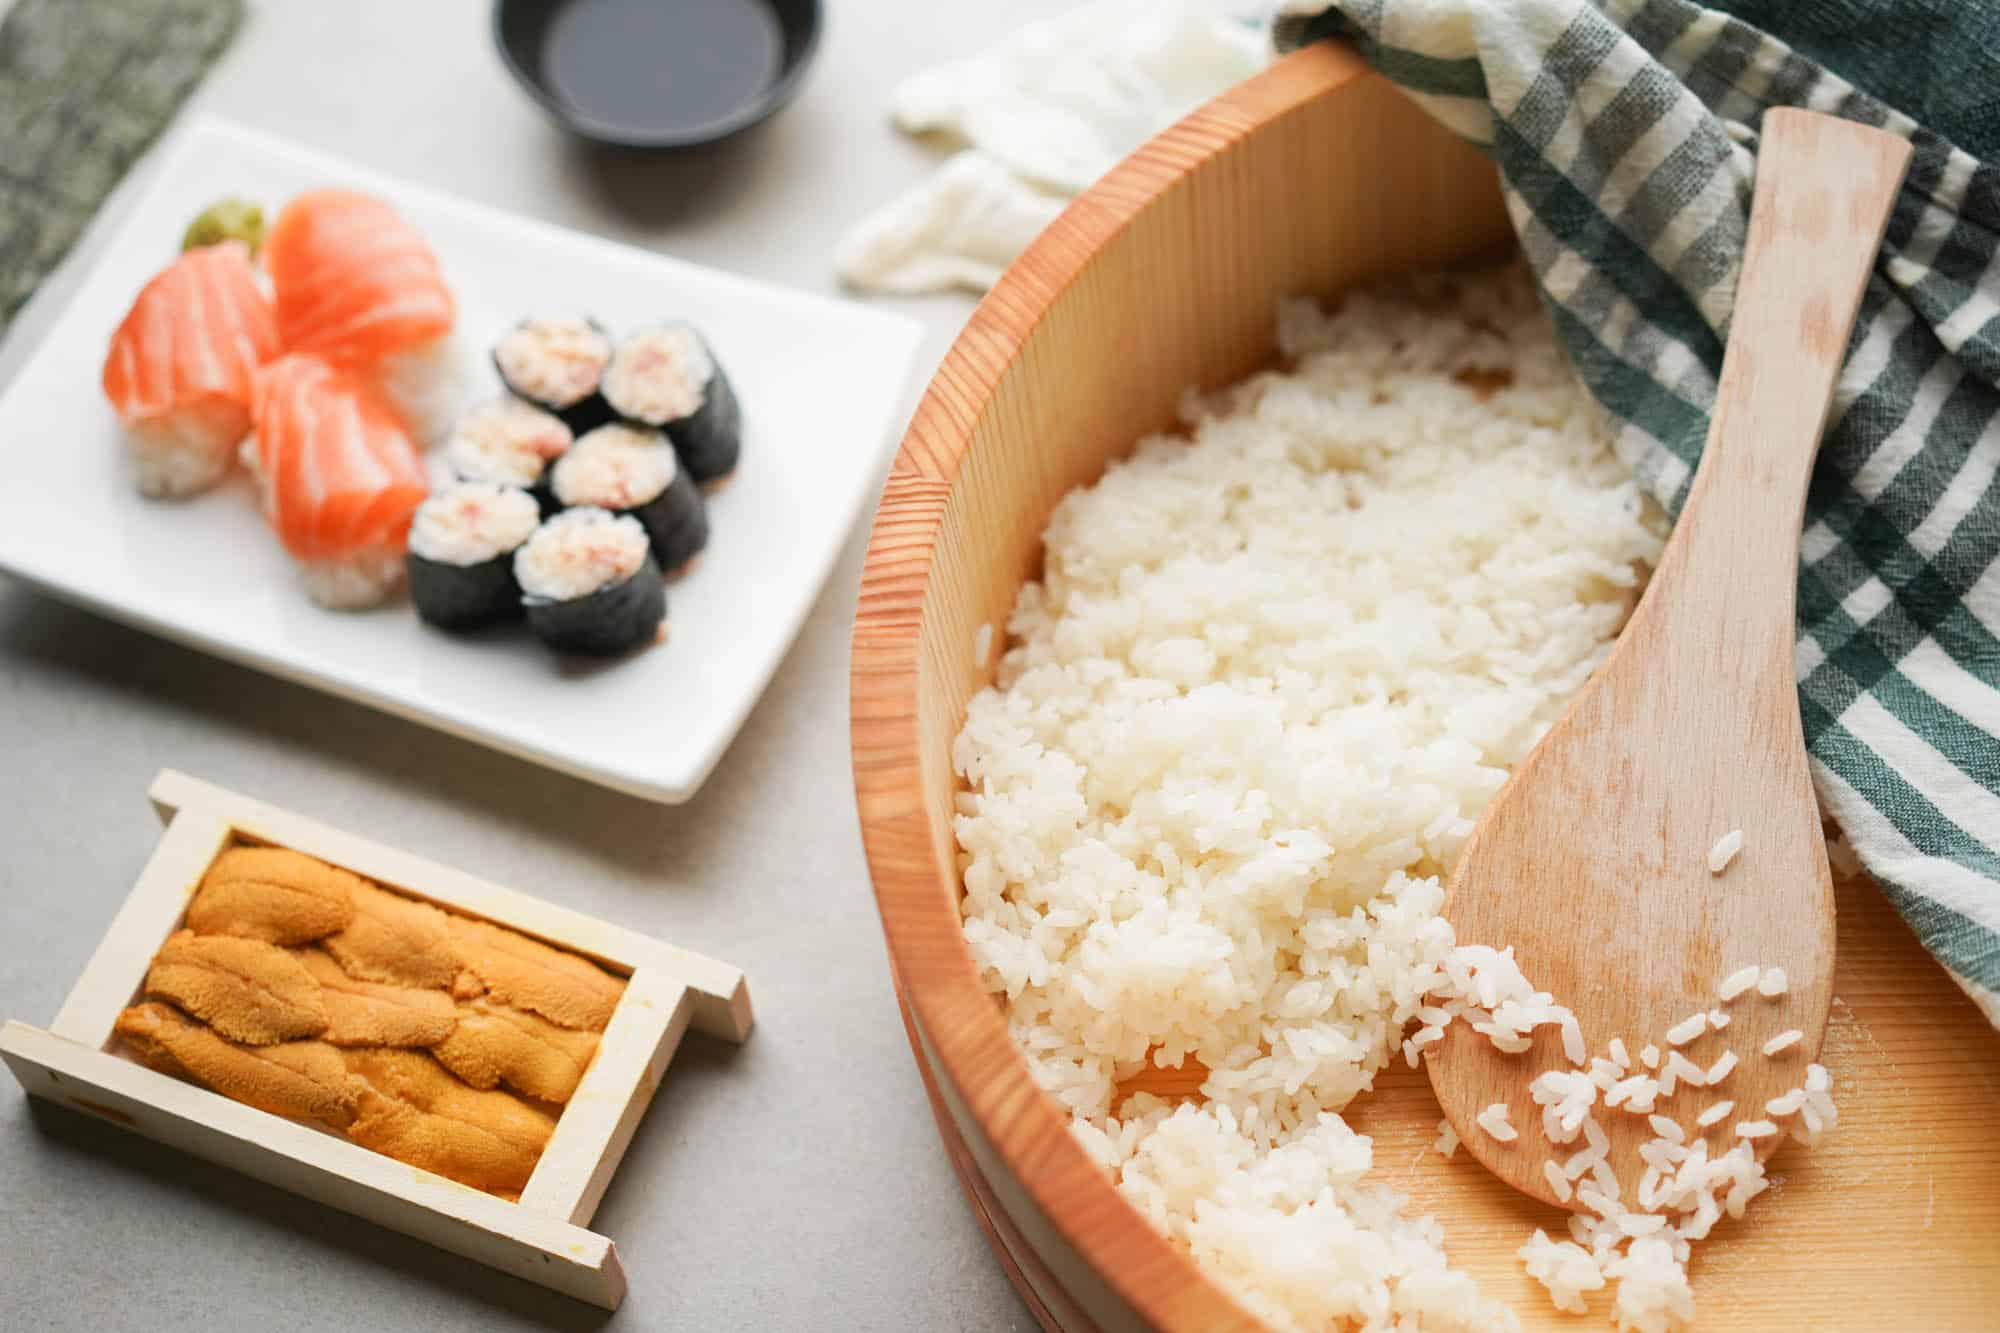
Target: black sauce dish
(657, 73)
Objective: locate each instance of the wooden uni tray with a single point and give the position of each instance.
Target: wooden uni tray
(543, 1238)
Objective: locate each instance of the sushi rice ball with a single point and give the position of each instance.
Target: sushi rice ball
(557, 363)
(508, 442)
(182, 367)
(589, 583)
(462, 546)
(668, 379)
(426, 384)
(631, 471)
(338, 477)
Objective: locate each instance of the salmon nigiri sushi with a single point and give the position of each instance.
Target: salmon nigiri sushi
(357, 285)
(339, 475)
(181, 366)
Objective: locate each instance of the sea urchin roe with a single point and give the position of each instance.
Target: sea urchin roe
(272, 894)
(409, 1063)
(306, 1080)
(395, 940)
(578, 552)
(374, 1013)
(247, 990)
(569, 991)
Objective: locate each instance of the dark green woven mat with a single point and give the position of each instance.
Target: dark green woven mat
(85, 85)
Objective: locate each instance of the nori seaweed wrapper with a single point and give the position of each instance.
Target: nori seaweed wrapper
(709, 440)
(461, 597)
(615, 619)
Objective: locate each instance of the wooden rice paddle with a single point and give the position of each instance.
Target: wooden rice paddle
(1593, 860)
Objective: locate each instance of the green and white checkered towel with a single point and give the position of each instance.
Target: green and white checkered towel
(1626, 137)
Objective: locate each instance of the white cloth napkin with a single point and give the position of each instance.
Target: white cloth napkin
(1042, 115)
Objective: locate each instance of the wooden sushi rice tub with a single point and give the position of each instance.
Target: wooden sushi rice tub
(1311, 178)
(543, 1237)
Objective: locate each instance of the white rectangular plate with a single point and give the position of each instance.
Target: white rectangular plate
(821, 383)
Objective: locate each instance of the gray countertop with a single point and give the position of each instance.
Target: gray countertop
(796, 1182)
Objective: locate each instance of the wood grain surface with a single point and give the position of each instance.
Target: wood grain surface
(1891, 1223)
(1593, 860)
(1311, 178)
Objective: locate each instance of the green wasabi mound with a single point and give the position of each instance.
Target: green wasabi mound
(229, 219)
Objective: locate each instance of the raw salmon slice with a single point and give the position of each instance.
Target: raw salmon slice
(182, 363)
(340, 477)
(354, 281)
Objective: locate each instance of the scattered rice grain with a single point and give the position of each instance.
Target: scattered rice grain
(1685, 1031)
(1494, 1121)
(1742, 979)
(1447, 1140)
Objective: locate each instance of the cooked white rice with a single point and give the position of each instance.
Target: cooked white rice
(1773, 983)
(1725, 850)
(579, 552)
(1241, 727)
(1447, 1139)
(1685, 1031)
(1494, 1121)
(614, 467)
(557, 361)
(427, 385)
(1679, 1069)
(1784, 1041)
(472, 522)
(186, 452)
(660, 375)
(1565, 1268)
(506, 440)
(355, 582)
(1742, 979)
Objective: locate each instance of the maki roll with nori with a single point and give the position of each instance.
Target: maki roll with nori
(557, 363)
(461, 555)
(667, 378)
(589, 583)
(631, 471)
(508, 442)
